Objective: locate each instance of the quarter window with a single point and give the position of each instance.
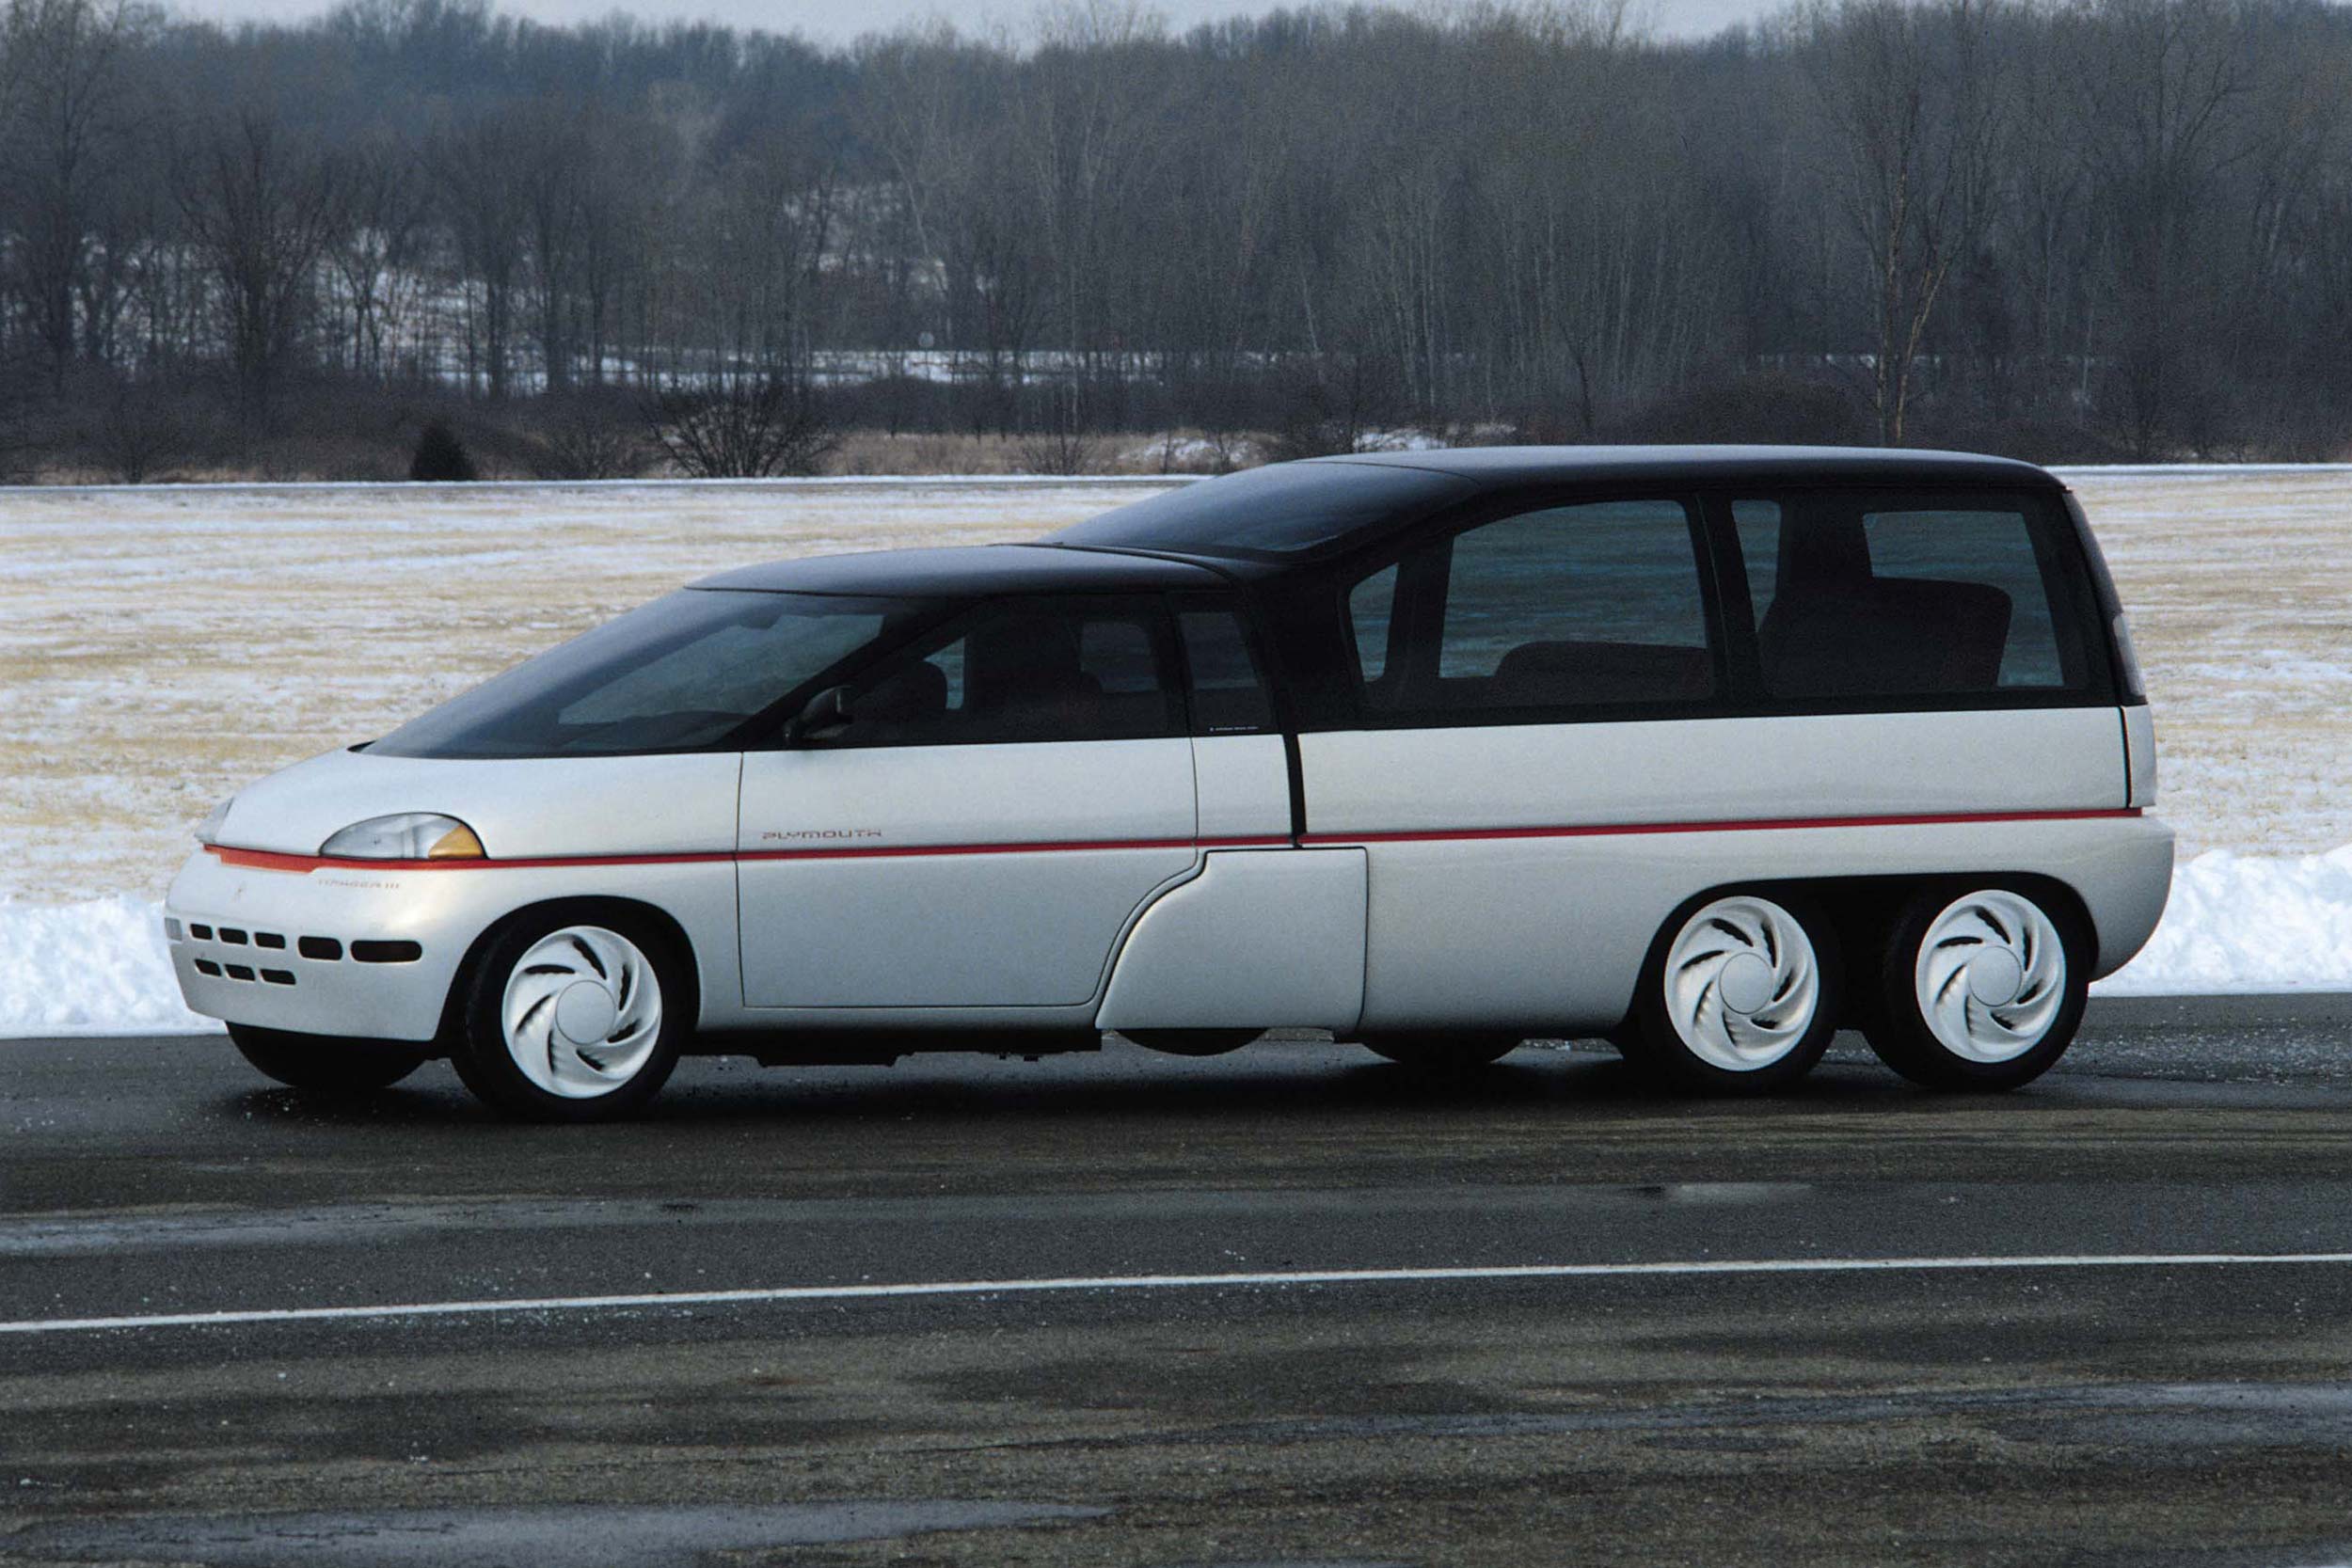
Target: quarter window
(1228, 696)
(1371, 607)
(1908, 596)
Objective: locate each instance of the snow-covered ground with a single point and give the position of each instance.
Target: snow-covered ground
(160, 646)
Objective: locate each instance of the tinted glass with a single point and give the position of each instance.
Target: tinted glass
(1564, 608)
(1371, 609)
(1028, 670)
(1285, 512)
(1577, 590)
(1892, 596)
(1228, 695)
(680, 673)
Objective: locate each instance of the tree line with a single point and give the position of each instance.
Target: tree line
(2062, 228)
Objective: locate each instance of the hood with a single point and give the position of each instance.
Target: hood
(521, 809)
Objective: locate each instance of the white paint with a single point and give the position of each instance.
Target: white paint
(658, 1300)
(1260, 937)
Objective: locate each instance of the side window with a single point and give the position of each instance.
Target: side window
(1030, 669)
(1586, 606)
(1901, 595)
(1371, 611)
(1758, 525)
(1992, 549)
(1229, 694)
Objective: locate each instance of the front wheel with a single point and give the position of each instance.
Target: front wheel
(1740, 996)
(1980, 991)
(571, 1018)
(326, 1061)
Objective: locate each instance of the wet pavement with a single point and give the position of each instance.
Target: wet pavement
(2019, 1375)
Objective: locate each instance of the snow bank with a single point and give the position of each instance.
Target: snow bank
(2248, 923)
(94, 968)
(2237, 923)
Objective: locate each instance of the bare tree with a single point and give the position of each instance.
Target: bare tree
(72, 129)
(749, 427)
(476, 168)
(377, 252)
(1913, 94)
(262, 212)
(2163, 82)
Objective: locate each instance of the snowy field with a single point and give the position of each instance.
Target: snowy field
(160, 646)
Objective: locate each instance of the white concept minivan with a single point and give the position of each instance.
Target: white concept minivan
(1707, 751)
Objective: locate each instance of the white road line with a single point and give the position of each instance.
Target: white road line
(1163, 1282)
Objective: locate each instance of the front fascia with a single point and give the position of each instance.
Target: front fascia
(443, 910)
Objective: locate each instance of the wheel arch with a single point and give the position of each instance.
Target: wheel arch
(666, 926)
(1861, 912)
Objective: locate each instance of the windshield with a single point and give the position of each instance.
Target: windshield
(683, 672)
(1285, 513)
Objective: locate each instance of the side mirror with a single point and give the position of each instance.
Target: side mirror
(826, 716)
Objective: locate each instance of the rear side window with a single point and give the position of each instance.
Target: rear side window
(1026, 670)
(1894, 595)
(1597, 606)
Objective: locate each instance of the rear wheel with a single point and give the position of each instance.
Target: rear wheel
(1740, 996)
(1980, 992)
(1442, 1053)
(572, 1018)
(327, 1061)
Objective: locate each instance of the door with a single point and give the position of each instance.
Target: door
(1005, 797)
(1515, 679)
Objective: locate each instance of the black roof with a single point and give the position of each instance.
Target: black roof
(1267, 520)
(968, 570)
(1499, 466)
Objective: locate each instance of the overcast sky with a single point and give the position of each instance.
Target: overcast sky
(838, 20)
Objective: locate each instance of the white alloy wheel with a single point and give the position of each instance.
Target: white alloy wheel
(582, 1011)
(1991, 977)
(1743, 984)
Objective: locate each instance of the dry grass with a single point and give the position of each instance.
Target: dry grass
(160, 647)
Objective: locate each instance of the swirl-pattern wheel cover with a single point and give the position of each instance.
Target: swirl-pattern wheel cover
(582, 1011)
(1743, 983)
(1992, 976)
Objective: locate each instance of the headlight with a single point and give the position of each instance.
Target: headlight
(208, 830)
(412, 835)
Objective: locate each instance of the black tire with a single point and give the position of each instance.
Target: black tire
(1192, 1043)
(1442, 1054)
(1654, 1044)
(480, 1052)
(1904, 1038)
(332, 1062)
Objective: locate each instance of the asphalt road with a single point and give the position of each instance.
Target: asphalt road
(1291, 1305)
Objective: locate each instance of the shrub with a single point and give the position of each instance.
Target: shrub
(441, 457)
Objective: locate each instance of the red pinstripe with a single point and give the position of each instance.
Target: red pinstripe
(1751, 825)
(270, 860)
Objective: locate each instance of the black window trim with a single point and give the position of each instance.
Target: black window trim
(1223, 601)
(873, 662)
(1331, 701)
(2074, 571)
(1420, 600)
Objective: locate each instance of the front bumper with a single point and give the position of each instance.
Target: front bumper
(334, 951)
